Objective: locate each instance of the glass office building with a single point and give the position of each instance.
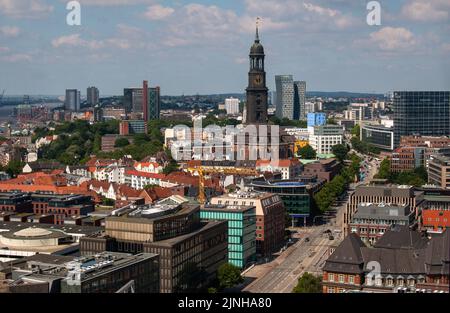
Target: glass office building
(300, 111)
(378, 136)
(285, 96)
(241, 231)
(425, 113)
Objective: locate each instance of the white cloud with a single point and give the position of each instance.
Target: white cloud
(114, 2)
(426, 11)
(76, 41)
(25, 8)
(158, 12)
(305, 14)
(20, 57)
(392, 39)
(9, 31)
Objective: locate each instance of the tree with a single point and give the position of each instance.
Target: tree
(307, 153)
(340, 151)
(121, 142)
(229, 276)
(356, 130)
(308, 283)
(385, 170)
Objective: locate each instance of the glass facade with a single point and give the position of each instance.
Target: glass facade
(316, 119)
(154, 103)
(241, 233)
(300, 100)
(295, 196)
(426, 113)
(378, 136)
(285, 96)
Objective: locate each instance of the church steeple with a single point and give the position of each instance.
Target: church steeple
(256, 106)
(257, 31)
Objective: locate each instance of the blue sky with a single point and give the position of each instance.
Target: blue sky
(190, 47)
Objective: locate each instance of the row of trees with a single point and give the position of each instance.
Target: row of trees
(329, 193)
(417, 177)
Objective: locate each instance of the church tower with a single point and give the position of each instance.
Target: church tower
(257, 92)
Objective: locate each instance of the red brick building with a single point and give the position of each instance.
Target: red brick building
(401, 261)
(270, 217)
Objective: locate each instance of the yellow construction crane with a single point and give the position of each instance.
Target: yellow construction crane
(202, 171)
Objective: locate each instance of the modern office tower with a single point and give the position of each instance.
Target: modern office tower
(257, 91)
(72, 102)
(232, 106)
(241, 230)
(132, 100)
(145, 100)
(147, 105)
(154, 103)
(425, 113)
(316, 119)
(285, 96)
(300, 110)
(92, 96)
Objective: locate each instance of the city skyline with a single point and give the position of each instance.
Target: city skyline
(201, 47)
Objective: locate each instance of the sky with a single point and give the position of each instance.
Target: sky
(190, 47)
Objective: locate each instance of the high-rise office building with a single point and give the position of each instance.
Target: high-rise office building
(300, 110)
(154, 103)
(145, 100)
(425, 113)
(148, 104)
(72, 101)
(92, 96)
(257, 91)
(132, 98)
(285, 96)
(232, 106)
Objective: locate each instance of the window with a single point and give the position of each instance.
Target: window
(341, 278)
(351, 279)
(330, 277)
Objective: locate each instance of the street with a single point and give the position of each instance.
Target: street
(281, 275)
